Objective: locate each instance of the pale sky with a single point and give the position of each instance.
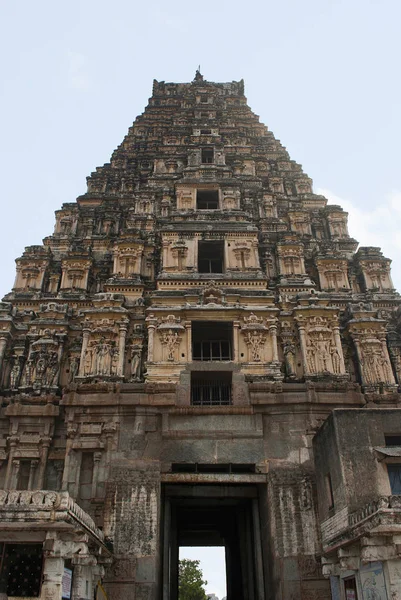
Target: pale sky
(324, 76)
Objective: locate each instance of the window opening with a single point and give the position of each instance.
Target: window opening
(212, 340)
(207, 199)
(394, 474)
(206, 131)
(392, 440)
(24, 474)
(350, 588)
(204, 99)
(21, 569)
(211, 389)
(211, 257)
(211, 568)
(54, 474)
(207, 156)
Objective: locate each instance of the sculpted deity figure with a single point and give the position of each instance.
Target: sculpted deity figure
(52, 369)
(135, 364)
(73, 368)
(88, 362)
(290, 362)
(336, 360)
(103, 358)
(311, 362)
(171, 340)
(15, 373)
(323, 353)
(255, 340)
(40, 369)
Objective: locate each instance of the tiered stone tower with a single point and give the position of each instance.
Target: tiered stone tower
(169, 353)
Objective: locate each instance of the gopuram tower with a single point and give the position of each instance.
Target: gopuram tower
(200, 355)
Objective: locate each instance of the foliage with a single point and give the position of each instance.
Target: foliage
(190, 580)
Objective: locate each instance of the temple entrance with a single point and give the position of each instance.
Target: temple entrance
(215, 515)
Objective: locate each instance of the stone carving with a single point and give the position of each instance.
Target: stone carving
(290, 360)
(15, 372)
(42, 368)
(371, 347)
(321, 345)
(136, 363)
(256, 332)
(212, 294)
(171, 340)
(170, 332)
(73, 368)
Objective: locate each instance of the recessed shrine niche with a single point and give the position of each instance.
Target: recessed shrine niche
(375, 269)
(75, 273)
(128, 259)
(333, 273)
(319, 334)
(337, 221)
(300, 222)
(291, 257)
(31, 269)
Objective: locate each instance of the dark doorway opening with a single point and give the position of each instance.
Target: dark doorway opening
(211, 388)
(207, 156)
(211, 257)
(212, 340)
(207, 199)
(214, 515)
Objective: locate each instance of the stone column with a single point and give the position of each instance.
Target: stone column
(360, 358)
(388, 369)
(42, 465)
(393, 578)
(236, 357)
(32, 471)
(121, 348)
(52, 577)
(3, 344)
(151, 335)
(97, 456)
(302, 337)
(165, 245)
(9, 474)
(226, 265)
(273, 334)
(337, 341)
(85, 340)
(188, 327)
(16, 464)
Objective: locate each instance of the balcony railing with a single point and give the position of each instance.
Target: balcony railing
(210, 393)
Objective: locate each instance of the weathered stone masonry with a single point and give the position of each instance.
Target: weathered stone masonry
(173, 348)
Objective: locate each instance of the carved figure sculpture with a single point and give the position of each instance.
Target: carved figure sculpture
(290, 361)
(255, 340)
(73, 368)
(135, 365)
(103, 358)
(171, 340)
(15, 373)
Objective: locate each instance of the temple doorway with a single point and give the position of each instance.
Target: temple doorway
(214, 515)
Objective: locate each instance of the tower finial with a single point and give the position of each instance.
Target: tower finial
(198, 75)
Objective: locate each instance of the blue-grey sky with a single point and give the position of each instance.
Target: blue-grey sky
(324, 75)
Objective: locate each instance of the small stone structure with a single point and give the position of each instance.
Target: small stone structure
(168, 355)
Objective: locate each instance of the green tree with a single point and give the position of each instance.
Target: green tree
(190, 581)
